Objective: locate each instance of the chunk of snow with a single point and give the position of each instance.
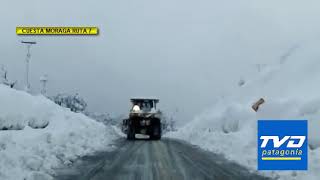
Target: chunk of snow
(32, 154)
(290, 90)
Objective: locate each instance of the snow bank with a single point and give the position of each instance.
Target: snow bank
(32, 154)
(291, 91)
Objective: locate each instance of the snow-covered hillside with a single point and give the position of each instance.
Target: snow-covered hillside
(31, 154)
(290, 88)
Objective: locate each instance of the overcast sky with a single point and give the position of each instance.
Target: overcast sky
(187, 53)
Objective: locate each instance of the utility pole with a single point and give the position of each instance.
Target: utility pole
(29, 44)
(43, 82)
(260, 67)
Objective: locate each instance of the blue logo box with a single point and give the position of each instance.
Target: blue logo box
(282, 145)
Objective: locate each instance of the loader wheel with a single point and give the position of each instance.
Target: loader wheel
(131, 133)
(156, 132)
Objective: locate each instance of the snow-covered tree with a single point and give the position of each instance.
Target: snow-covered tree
(4, 77)
(74, 102)
(168, 124)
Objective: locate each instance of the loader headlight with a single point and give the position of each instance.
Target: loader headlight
(136, 108)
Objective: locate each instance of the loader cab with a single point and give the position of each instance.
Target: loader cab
(144, 104)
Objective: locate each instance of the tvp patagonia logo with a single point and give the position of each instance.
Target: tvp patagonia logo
(282, 145)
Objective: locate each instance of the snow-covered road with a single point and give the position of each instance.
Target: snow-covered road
(165, 159)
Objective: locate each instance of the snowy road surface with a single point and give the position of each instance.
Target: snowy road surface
(152, 160)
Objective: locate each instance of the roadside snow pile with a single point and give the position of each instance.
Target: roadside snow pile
(291, 91)
(31, 154)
